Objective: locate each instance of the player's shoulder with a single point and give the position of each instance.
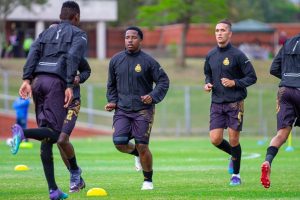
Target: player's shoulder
(236, 51)
(118, 57)
(212, 52)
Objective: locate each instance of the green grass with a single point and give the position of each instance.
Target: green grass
(184, 168)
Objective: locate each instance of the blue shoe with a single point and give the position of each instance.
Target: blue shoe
(17, 137)
(234, 181)
(57, 194)
(230, 166)
(76, 181)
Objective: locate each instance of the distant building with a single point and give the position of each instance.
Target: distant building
(94, 15)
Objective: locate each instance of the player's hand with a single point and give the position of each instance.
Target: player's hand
(68, 97)
(25, 90)
(227, 82)
(76, 80)
(146, 99)
(110, 107)
(208, 87)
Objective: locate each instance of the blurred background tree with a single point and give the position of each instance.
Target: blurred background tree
(152, 13)
(163, 12)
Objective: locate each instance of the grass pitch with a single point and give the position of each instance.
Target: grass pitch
(184, 168)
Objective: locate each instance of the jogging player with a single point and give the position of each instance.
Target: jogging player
(227, 74)
(64, 145)
(285, 66)
(130, 92)
(48, 76)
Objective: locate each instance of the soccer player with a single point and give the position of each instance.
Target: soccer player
(48, 76)
(228, 72)
(132, 74)
(64, 145)
(285, 66)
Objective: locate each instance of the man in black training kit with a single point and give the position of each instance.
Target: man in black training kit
(48, 76)
(227, 74)
(132, 74)
(64, 145)
(286, 67)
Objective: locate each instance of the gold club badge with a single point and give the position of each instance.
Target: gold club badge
(138, 68)
(226, 61)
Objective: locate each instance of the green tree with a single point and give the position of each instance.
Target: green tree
(162, 12)
(263, 10)
(7, 6)
(279, 11)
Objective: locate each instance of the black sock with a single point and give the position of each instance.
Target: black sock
(47, 160)
(73, 163)
(271, 153)
(135, 152)
(148, 176)
(236, 153)
(42, 134)
(225, 146)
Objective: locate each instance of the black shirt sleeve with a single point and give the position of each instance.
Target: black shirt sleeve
(162, 82)
(111, 93)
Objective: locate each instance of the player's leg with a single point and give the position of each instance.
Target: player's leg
(235, 113)
(67, 150)
(141, 130)
(49, 91)
(48, 165)
(122, 133)
(236, 153)
(287, 98)
(276, 142)
(217, 126)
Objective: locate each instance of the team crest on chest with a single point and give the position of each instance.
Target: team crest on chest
(226, 61)
(138, 68)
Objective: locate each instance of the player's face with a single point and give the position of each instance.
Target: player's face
(132, 41)
(223, 34)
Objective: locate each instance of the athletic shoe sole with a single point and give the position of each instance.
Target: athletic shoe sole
(265, 174)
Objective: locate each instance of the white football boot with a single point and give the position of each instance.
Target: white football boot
(137, 162)
(147, 185)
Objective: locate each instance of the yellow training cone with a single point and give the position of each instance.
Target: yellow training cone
(21, 168)
(26, 145)
(96, 192)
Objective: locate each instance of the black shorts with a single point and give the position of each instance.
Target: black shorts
(128, 125)
(225, 115)
(71, 118)
(288, 107)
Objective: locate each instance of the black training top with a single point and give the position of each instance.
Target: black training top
(228, 62)
(58, 50)
(84, 73)
(132, 75)
(286, 64)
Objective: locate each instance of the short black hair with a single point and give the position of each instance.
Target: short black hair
(135, 28)
(68, 10)
(226, 21)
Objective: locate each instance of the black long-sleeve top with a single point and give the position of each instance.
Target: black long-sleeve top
(84, 73)
(286, 64)
(132, 75)
(228, 62)
(58, 50)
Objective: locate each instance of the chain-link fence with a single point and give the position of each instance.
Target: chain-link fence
(184, 111)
